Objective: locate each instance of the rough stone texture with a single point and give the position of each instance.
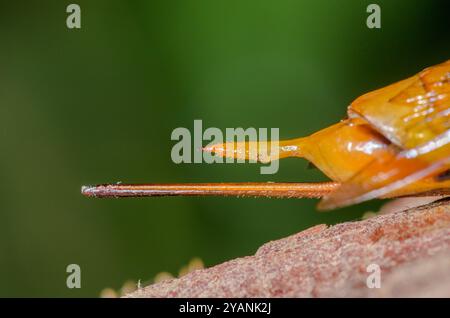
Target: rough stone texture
(411, 247)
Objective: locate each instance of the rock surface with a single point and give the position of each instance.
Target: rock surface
(411, 248)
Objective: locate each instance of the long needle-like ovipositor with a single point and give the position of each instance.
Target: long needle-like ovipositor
(252, 189)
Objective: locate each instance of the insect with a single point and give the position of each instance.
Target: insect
(395, 142)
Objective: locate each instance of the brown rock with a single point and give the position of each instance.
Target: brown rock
(411, 248)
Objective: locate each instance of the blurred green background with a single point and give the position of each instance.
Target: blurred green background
(99, 104)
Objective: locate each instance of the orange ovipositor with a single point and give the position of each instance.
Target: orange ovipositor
(395, 142)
